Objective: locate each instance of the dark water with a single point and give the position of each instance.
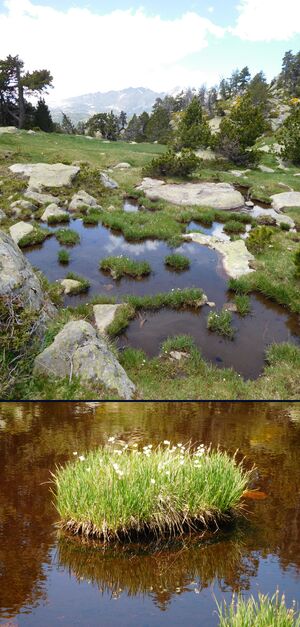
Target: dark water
(268, 323)
(46, 581)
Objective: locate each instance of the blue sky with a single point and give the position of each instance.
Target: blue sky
(99, 45)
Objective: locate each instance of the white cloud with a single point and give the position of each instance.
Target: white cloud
(267, 20)
(88, 52)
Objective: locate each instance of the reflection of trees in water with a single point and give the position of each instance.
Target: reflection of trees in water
(162, 573)
(36, 436)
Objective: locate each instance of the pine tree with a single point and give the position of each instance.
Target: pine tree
(42, 117)
(193, 130)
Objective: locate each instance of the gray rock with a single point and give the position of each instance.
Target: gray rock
(104, 315)
(46, 175)
(265, 168)
(70, 285)
(42, 199)
(31, 132)
(270, 216)
(230, 307)
(78, 351)
(2, 216)
(285, 200)
(214, 195)
(239, 173)
(18, 205)
(8, 129)
(107, 181)
(19, 230)
(53, 211)
(236, 258)
(206, 155)
(214, 124)
(18, 279)
(249, 203)
(122, 166)
(82, 199)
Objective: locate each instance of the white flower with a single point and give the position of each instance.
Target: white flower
(88, 469)
(167, 442)
(116, 467)
(152, 481)
(181, 462)
(81, 457)
(117, 451)
(111, 439)
(134, 446)
(74, 452)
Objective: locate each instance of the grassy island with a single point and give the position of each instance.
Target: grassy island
(118, 490)
(122, 266)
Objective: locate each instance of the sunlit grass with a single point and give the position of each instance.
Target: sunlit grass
(117, 490)
(261, 612)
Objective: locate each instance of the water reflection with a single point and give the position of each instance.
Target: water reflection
(45, 580)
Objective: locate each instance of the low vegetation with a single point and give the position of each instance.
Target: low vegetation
(221, 322)
(234, 226)
(124, 266)
(63, 256)
(119, 491)
(261, 612)
(37, 236)
(67, 237)
(177, 262)
(58, 219)
(83, 286)
(172, 164)
(242, 302)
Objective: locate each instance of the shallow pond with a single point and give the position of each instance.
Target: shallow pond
(47, 581)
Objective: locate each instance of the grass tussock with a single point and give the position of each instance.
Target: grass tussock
(261, 612)
(83, 286)
(63, 256)
(177, 262)
(37, 236)
(117, 491)
(122, 266)
(67, 237)
(221, 322)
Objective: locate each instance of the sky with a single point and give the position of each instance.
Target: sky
(102, 45)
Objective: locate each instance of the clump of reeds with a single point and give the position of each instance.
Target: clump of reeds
(261, 612)
(118, 490)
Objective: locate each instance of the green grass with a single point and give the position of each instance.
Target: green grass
(182, 343)
(221, 322)
(37, 236)
(242, 302)
(176, 299)
(67, 237)
(125, 266)
(261, 612)
(234, 226)
(84, 283)
(118, 491)
(63, 256)
(177, 262)
(58, 219)
(90, 219)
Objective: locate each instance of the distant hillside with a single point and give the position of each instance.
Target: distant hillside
(132, 100)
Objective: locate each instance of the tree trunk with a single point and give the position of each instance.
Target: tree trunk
(20, 96)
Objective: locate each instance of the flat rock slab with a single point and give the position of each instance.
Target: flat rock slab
(80, 199)
(258, 212)
(235, 255)
(122, 166)
(285, 200)
(42, 199)
(53, 211)
(18, 205)
(78, 351)
(19, 230)
(214, 195)
(266, 169)
(17, 278)
(46, 175)
(104, 315)
(69, 285)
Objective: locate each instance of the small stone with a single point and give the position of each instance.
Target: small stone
(230, 307)
(41, 199)
(70, 285)
(210, 303)
(107, 182)
(53, 211)
(19, 230)
(81, 199)
(122, 166)
(104, 316)
(264, 168)
(249, 203)
(178, 355)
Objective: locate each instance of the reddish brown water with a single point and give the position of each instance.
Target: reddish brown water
(45, 581)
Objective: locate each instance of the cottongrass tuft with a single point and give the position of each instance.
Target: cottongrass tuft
(120, 490)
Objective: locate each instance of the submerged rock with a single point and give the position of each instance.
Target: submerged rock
(81, 199)
(214, 195)
(17, 278)
(78, 351)
(285, 200)
(46, 175)
(104, 315)
(19, 230)
(236, 257)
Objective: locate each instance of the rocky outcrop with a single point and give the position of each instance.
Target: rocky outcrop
(78, 351)
(46, 175)
(42, 199)
(214, 195)
(270, 216)
(17, 279)
(236, 258)
(19, 230)
(107, 182)
(285, 200)
(19, 205)
(53, 211)
(82, 199)
(104, 316)
(8, 129)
